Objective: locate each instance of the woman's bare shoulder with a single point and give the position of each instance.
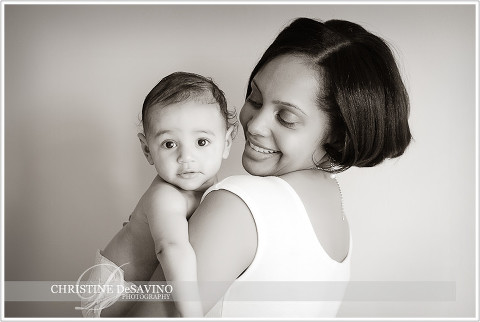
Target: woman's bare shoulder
(239, 180)
(221, 211)
(223, 234)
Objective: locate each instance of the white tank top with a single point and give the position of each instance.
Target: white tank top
(291, 275)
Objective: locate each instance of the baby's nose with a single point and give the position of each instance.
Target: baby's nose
(185, 155)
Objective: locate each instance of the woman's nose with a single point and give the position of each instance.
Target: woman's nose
(259, 123)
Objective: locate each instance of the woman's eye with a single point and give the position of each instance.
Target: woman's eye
(288, 119)
(169, 144)
(254, 103)
(203, 142)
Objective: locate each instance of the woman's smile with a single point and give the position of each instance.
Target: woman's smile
(261, 149)
(257, 153)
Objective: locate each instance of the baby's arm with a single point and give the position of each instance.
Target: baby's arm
(166, 211)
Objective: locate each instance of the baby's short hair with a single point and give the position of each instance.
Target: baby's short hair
(181, 87)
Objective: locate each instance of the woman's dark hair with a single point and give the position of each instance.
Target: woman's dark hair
(361, 90)
(182, 86)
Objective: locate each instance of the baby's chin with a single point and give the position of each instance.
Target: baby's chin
(195, 185)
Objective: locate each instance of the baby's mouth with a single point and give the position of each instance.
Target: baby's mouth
(188, 174)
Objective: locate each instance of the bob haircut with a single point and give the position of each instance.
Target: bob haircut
(361, 90)
(181, 87)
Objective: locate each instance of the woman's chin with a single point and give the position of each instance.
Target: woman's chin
(258, 168)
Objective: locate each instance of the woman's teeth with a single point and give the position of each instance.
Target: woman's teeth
(261, 150)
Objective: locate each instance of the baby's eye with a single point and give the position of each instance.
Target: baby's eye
(203, 142)
(169, 144)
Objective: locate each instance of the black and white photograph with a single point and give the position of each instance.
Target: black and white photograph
(239, 159)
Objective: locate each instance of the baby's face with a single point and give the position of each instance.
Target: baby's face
(187, 142)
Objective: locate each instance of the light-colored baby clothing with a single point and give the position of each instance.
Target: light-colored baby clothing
(111, 277)
(288, 251)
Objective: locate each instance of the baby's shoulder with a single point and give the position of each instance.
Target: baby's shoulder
(162, 187)
(161, 195)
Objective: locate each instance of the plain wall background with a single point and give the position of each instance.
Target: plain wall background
(75, 79)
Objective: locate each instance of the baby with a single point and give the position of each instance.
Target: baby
(187, 132)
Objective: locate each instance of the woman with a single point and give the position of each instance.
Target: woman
(324, 97)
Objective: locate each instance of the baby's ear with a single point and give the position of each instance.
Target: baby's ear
(228, 141)
(145, 148)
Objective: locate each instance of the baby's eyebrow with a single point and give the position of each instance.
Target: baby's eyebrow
(208, 132)
(162, 132)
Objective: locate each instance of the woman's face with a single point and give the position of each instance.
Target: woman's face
(282, 123)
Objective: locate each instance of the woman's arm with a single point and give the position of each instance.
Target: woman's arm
(224, 237)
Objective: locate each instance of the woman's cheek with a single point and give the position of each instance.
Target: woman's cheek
(294, 145)
(244, 115)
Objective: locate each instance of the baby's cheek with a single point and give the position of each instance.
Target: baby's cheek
(216, 161)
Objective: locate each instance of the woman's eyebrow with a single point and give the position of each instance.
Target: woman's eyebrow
(277, 102)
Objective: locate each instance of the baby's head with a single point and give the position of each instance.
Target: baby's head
(188, 130)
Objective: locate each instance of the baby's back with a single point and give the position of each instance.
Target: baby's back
(134, 245)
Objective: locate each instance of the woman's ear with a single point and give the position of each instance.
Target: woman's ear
(228, 141)
(145, 148)
(320, 158)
